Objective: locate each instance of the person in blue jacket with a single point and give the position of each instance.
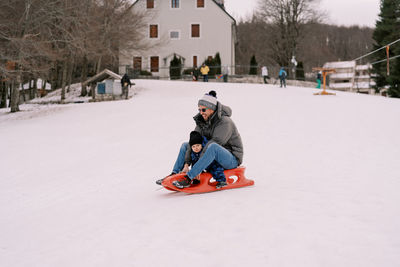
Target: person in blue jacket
(319, 79)
(282, 77)
(197, 142)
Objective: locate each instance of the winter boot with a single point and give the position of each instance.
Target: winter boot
(182, 183)
(195, 181)
(159, 182)
(221, 184)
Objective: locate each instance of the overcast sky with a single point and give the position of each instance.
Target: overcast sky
(340, 12)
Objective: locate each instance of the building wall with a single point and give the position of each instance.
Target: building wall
(216, 34)
(343, 79)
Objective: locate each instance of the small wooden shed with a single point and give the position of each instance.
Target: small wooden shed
(105, 85)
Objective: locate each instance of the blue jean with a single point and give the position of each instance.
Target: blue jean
(213, 152)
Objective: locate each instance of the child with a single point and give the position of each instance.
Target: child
(319, 79)
(197, 143)
(282, 76)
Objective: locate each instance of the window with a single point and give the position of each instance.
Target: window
(194, 61)
(174, 34)
(153, 31)
(154, 64)
(175, 3)
(137, 63)
(150, 3)
(200, 3)
(195, 30)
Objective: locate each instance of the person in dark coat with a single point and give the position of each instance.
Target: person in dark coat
(197, 142)
(125, 82)
(225, 144)
(195, 74)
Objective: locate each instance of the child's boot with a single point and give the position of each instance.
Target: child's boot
(221, 184)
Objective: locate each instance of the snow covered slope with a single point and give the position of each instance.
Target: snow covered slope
(77, 182)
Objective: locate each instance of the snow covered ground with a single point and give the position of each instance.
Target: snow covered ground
(77, 182)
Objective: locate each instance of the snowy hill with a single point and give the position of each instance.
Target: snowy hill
(77, 182)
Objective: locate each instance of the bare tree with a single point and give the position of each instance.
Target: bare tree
(285, 20)
(54, 38)
(24, 41)
(118, 29)
(3, 93)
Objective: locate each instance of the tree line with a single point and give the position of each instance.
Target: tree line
(280, 30)
(387, 31)
(283, 29)
(63, 41)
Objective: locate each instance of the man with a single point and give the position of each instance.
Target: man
(125, 81)
(225, 144)
(204, 71)
(282, 77)
(264, 73)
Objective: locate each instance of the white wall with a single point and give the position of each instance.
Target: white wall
(215, 33)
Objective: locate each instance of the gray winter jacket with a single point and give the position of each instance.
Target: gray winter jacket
(220, 129)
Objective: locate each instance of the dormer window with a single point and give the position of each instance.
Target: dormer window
(150, 3)
(200, 3)
(175, 3)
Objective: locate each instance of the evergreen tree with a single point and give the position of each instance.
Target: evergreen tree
(175, 68)
(394, 78)
(210, 62)
(253, 65)
(387, 31)
(217, 62)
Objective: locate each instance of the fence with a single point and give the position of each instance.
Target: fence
(215, 72)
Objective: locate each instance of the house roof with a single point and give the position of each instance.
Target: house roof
(340, 64)
(102, 76)
(215, 2)
(223, 9)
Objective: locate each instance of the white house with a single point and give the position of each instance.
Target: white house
(343, 79)
(363, 81)
(350, 77)
(191, 29)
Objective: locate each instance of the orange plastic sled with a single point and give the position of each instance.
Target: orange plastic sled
(234, 177)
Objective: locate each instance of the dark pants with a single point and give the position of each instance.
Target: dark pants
(225, 78)
(283, 82)
(125, 91)
(265, 79)
(205, 78)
